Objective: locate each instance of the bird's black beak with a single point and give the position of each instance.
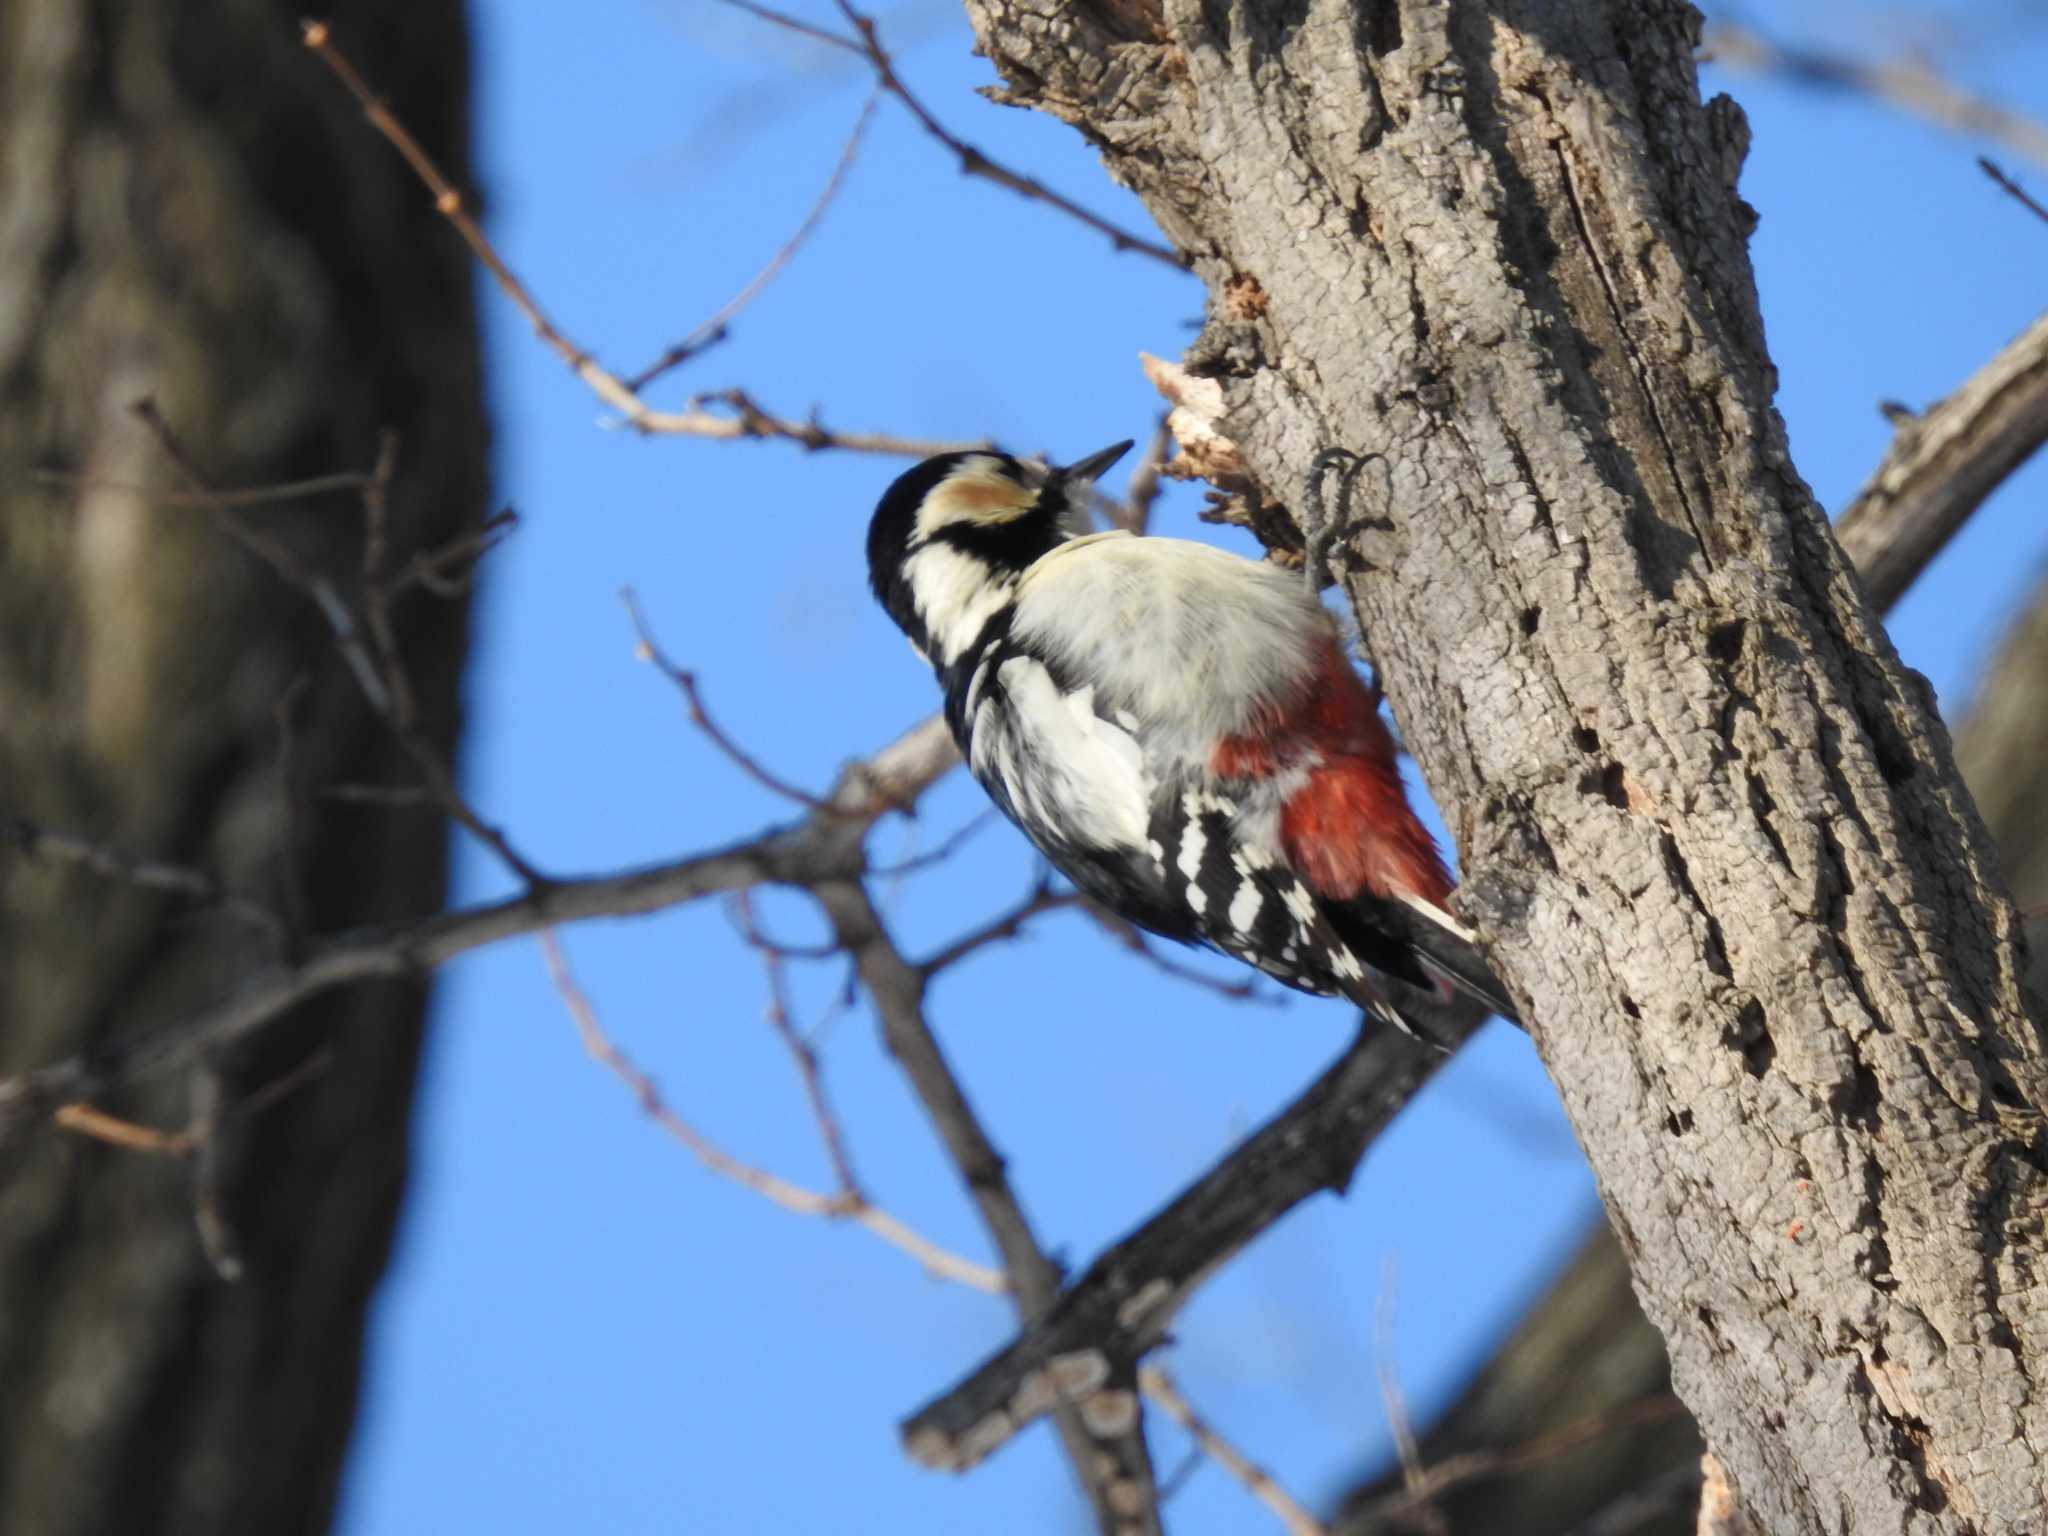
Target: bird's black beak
(1085, 470)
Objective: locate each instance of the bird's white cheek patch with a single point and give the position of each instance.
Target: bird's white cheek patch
(956, 595)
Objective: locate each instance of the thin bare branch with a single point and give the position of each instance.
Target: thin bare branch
(446, 572)
(1414, 1476)
(209, 1111)
(2011, 188)
(748, 422)
(948, 846)
(85, 1120)
(1161, 1388)
(1905, 83)
(808, 1069)
(1134, 512)
(377, 666)
(714, 329)
(867, 43)
(1247, 989)
(646, 648)
(38, 842)
(396, 796)
(245, 497)
(847, 1205)
(1042, 897)
(801, 28)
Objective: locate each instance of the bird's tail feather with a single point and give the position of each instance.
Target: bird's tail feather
(1446, 949)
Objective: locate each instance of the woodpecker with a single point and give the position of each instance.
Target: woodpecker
(1175, 727)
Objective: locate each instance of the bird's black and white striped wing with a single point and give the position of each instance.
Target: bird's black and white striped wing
(1071, 776)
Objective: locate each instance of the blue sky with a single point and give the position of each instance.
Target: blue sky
(585, 1331)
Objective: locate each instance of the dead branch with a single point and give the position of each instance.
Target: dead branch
(1943, 463)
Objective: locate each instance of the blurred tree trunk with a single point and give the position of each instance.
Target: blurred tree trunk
(1712, 830)
(191, 212)
(1584, 1351)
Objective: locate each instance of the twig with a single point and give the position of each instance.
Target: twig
(429, 568)
(248, 496)
(948, 846)
(377, 666)
(1134, 512)
(1041, 898)
(1245, 990)
(646, 649)
(1654, 1505)
(216, 1235)
(84, 1120)
(801, 1052)
(1942, 465)
(1156, 1384)
(749, 419)
(1905, 83)
(847, 1205)
(867, 43)
(1414, 1477)
(601, 381)
(714, 329)
(396, 796)
(35, 841)
(287, 783)
(1433, 1482)
(2011, 187)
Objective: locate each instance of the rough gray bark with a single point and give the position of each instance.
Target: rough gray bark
(1556, 1368)
(1712, 829)
(190, 212)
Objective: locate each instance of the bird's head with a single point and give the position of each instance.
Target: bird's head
(952, 536)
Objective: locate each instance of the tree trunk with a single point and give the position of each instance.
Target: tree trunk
(1556, 1371)
(192, 213)
(1712, 830)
